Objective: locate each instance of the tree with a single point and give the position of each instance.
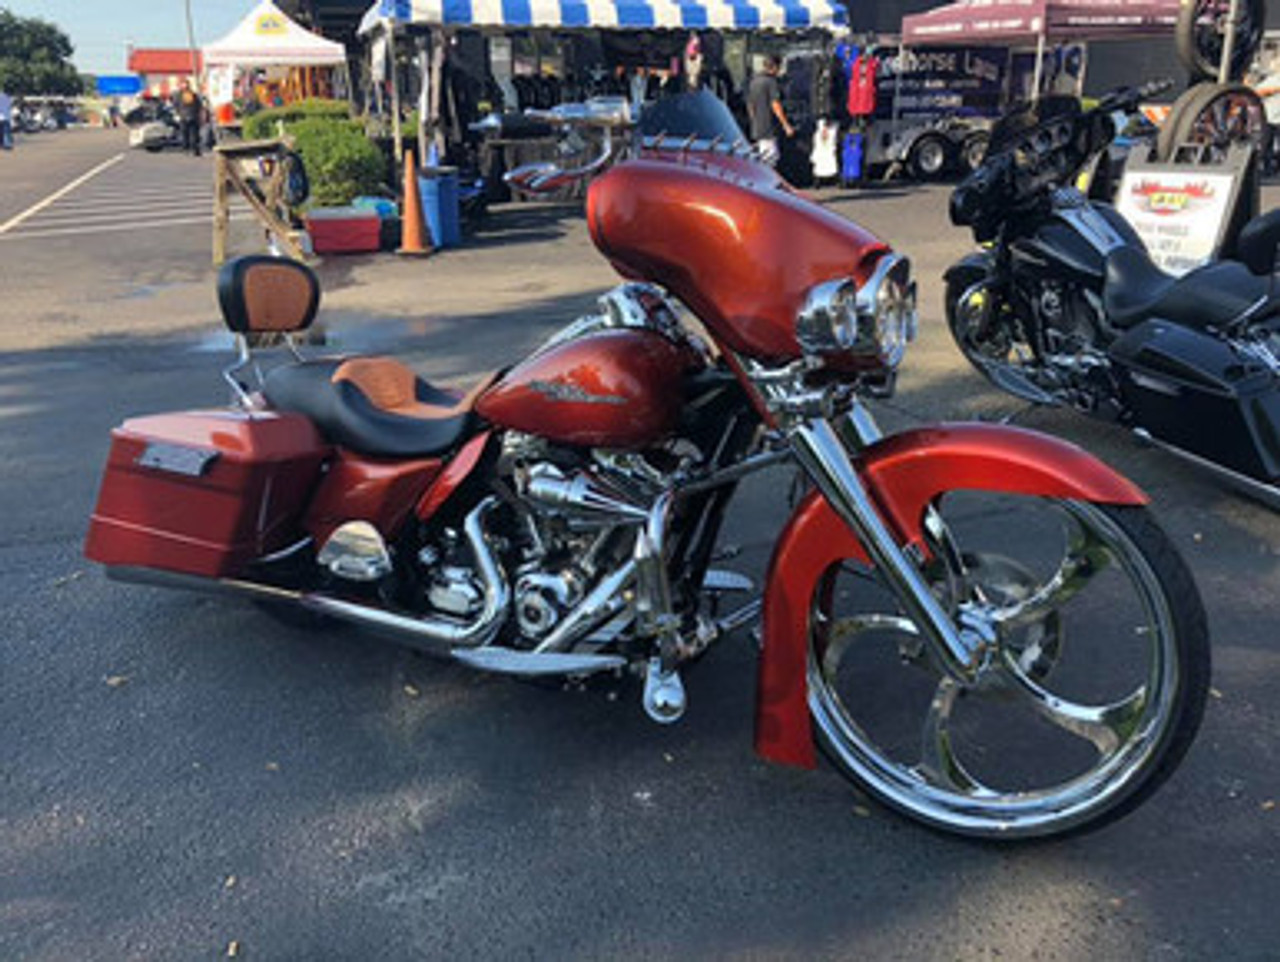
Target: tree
(35, 58)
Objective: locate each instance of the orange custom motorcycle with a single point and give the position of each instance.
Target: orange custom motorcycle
(982, 626)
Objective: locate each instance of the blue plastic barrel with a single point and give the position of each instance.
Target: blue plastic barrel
(439, 188)
(851, 158)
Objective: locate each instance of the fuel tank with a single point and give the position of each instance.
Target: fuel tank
(1069, 247)
(730, 241)
(613, 389)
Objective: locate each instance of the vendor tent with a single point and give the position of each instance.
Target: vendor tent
(611, 14)
(268, 38)
(1003, 21)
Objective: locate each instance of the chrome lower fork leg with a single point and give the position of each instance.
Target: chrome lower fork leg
(960, 650)
(664, 695)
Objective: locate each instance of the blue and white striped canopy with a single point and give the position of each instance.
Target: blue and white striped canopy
(617, 14)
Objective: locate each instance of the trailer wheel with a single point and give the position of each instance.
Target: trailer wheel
(929, 157)
(972, 151)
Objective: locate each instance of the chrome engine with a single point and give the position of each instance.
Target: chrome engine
(579, 535)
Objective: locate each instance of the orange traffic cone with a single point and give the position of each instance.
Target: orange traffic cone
(413, 232)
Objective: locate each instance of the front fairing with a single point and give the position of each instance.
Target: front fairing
(741, 255)
(696, 214)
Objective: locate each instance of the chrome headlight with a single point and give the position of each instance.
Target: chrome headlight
(887, 310)
(874, 321)
(828, 321)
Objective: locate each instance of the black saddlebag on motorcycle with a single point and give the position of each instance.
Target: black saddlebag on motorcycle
(203, 492)
(1203, 394)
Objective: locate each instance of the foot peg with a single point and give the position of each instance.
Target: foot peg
(720, 579)
(664, 698)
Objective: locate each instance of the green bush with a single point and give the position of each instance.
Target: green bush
(341, 162)
(263, 124)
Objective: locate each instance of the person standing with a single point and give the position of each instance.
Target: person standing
(6, 120)
(764, 111)
(189, 109)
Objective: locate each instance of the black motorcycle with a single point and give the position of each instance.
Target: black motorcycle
(1063, 305)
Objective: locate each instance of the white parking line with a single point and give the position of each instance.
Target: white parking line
(97, 199)
(62, 213)
(13, 222)
(121, 225)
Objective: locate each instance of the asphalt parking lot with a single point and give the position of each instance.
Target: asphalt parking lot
(180, 773)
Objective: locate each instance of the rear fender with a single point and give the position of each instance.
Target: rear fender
(905, 474)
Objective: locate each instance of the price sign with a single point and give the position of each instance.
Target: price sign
(1180, 212)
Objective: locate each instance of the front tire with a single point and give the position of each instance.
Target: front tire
(1090, 701)
(983, 338)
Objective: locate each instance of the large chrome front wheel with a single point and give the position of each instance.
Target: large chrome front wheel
(1090, 699)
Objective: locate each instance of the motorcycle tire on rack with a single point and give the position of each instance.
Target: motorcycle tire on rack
(1214, 114)
(1098, 684)
(1201, 33)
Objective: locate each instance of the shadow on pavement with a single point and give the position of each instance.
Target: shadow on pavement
(181, 772)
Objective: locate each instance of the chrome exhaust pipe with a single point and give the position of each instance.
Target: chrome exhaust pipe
(433, 635)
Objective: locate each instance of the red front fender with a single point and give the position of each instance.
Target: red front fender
(905, 474)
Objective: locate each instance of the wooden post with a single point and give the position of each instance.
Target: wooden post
(397, 146)
(264, 197)
(221, 208)
(424, 81)
(440, 39)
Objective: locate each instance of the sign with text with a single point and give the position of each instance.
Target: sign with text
(937, 81)
(1180, 214)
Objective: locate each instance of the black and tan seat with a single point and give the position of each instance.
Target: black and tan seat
(372, 405)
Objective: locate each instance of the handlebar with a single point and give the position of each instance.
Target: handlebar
(546, 177)
(1128, 98)
(1017, 176)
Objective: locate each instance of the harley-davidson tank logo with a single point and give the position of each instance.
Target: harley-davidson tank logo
(1165, 199)
(561, 391)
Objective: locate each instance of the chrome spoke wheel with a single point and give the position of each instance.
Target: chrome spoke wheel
(1093, 693)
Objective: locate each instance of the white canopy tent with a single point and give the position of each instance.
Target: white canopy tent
(268, 38)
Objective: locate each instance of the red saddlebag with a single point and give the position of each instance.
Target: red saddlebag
(204, 492)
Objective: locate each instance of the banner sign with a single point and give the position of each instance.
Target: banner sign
(119, 86)
(932, 82)
(1180, 214)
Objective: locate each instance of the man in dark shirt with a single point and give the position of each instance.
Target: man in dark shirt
(188, 106)
(764, 109)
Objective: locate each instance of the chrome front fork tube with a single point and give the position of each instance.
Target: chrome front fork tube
(961, 650)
